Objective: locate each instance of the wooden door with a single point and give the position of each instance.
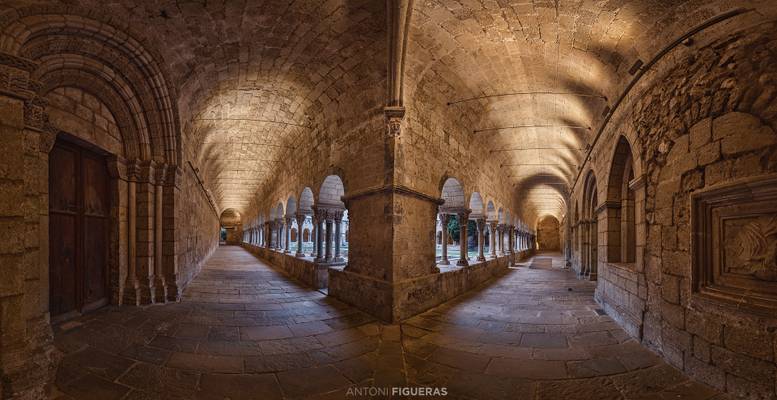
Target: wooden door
(79, 217)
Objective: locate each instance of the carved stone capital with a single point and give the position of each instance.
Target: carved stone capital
(46, 140)
(133, 169)
(394, 117)
(320, 213)
(35, 116)
(117, 167)
(160, 174)
(335, 214)
(146, 171)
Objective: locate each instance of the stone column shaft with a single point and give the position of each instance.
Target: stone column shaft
(338, 221)
(328, 251)
(444, 258)
(463, 222)
(300, 223)
(481, 224)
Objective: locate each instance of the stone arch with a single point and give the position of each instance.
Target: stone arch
(452, 193)
(491, 211)
(291, 206)
(306, 200)
(591, 227)
(277, 211)
(476, 206)
(331, 192)
(621, 223)
(114, 66)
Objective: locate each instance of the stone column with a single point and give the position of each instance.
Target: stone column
(510, 240)
(444, 258)
(320, 218)
(133, 286)
(499, 249)
(161, 284)
(463, 222)
(288, 234)
(314, 235)
(172, 244)
(492, 225)
(338, 221)
(279, 234)
(329, 222)
(300, 221)
(481, 224)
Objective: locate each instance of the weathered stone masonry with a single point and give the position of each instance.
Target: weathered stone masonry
(704, 120)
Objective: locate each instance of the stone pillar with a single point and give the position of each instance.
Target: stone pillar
(144, 197)
(320, 218)
(300, 222)
(159, 274)
(463, 222)
(481, 224)
(499, 242)
(279, 234)
(329, 222)
(133, 286)
(288, 234)
(172, 245)
(492, 225)
(393, 226)
(444, 258)
(510, 240)
(338, 221)
(314, 235)
(27, 357)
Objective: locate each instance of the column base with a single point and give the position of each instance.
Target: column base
(462, 263)
(481, 258)
(299, 255)
(444, 262)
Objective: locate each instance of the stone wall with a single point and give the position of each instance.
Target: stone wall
(197, 229)
(701, 129)
(409, 297)
(83, 115)
(548, 234)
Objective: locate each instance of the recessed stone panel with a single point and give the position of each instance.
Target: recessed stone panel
(735, 243)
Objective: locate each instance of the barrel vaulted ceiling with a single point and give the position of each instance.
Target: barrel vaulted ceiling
(256, 79)
(538, 76)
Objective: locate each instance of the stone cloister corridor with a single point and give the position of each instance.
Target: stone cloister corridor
(397, 199)
(244, 331)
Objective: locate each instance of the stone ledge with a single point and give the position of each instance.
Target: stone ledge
(401, 300)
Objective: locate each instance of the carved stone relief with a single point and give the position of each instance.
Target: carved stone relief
(735, 243)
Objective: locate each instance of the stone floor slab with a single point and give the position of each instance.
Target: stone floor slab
(244, 331)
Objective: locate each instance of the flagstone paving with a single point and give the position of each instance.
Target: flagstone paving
(244, 331)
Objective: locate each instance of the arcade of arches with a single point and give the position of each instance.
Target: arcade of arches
(308, 199)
